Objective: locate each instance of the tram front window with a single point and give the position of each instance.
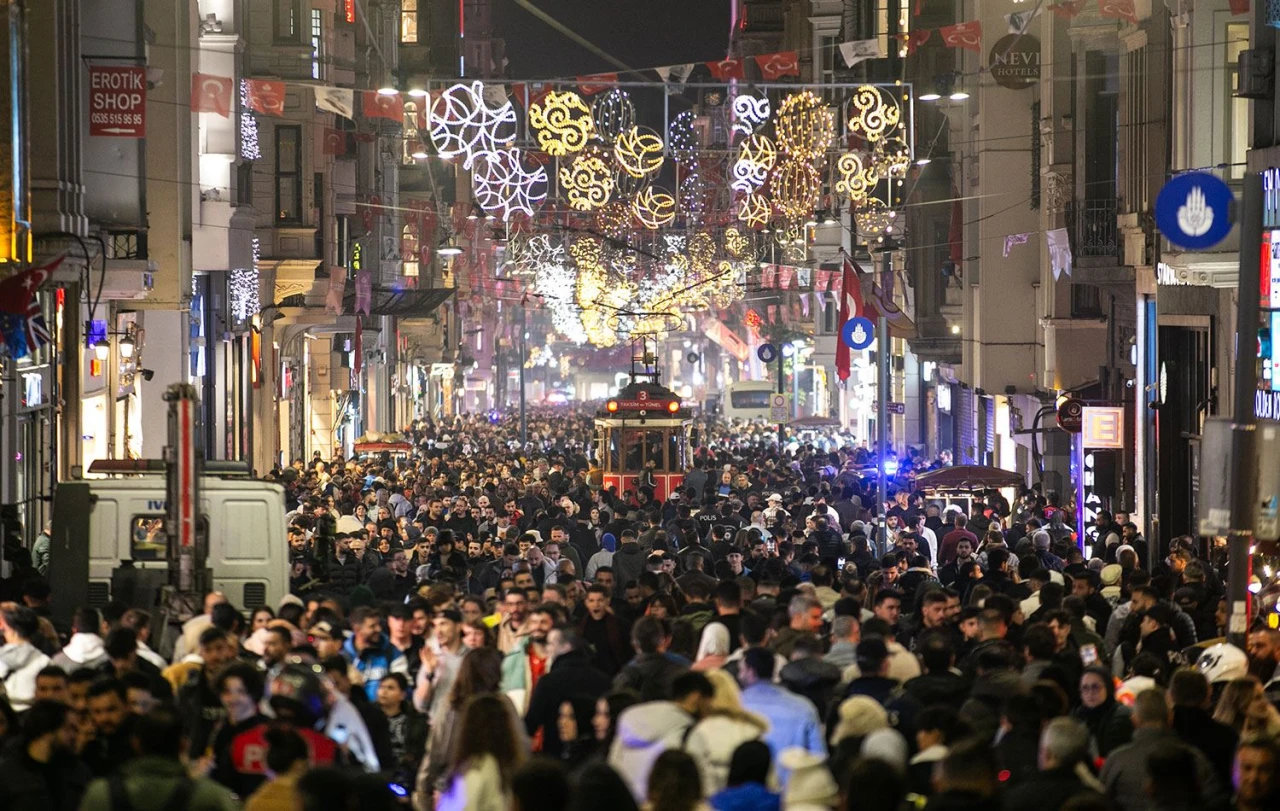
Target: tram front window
(653, 448)
(634, 451)
(675, 451)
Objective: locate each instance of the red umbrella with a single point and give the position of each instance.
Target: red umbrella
(968, 477)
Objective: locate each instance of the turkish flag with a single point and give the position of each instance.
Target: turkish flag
(16, 291)
(1067, 9)
(917, 38)
(596, 83)
(963, 35)
(265, 97)
(335, 142)
(211, 94)
(536, 92)
(775, 66)
(727, 69)
(1118, 10)
(377, 105)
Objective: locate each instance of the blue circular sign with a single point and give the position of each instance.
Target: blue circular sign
(1194, 210)
(767, 353)
(858, 333)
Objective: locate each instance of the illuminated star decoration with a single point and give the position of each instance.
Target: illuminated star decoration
(463, 124)
(562, 123)
(503, 184)
(750, 113)
(587, 182)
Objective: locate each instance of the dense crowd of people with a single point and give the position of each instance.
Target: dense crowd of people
(480, 626)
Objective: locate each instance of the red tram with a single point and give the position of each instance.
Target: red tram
(642, 436)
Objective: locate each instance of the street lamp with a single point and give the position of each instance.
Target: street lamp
(126, 347)
(102, 349)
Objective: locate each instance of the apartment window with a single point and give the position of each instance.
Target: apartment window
(288, 20)
(289, 174)
(244, 184)
(1237, 129)
(824, 62)
(317, 41)
(409, 22)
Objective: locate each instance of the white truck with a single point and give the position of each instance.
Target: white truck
(123, 519)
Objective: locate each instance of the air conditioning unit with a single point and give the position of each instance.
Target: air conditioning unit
(124, 284)
(1255, 79)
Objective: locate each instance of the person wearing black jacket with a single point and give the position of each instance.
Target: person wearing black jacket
(1192, 698)
(335, 667)
(939, 684)
(651, 672)
(572, 679)
(241, 688)
(198, 702)
(110, 747)
(40, 767)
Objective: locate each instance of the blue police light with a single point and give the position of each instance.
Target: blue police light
(494, 417)
(890, 467)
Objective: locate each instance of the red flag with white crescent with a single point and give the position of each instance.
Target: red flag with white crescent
(964, 35)
(266, 97)
(727, 69)
(776, 65)
(211, 94)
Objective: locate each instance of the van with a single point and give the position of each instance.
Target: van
(248, 548)
(748, 400)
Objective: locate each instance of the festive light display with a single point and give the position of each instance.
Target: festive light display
(755, 211)
(681, 138)
(857, 176)
(893, 158)
(736, 243)
(750, 113)
(796, 186)
(693, 193)
(873, 217)
(873, 113)
(587, 183)
(463, 124)
(613, 114)
(805, 126)
(638, 151)
(562, 123)
(250, 149)
(756, 158)
(654, 208)
(503, 184)
(614, 220)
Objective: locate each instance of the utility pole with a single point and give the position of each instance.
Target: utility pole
(524, 415)
(882, 406)
(781, 390)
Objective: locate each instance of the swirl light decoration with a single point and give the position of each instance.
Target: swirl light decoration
(585, 252)
(750, 113)
(562, 123)
(503, 184)
(681, 138)
(587, 182)
(796, 187)
(737, 244)
(756, 157)
(463, 124)
(638, 151)
(873, 114)
(654, 208)
(613, 114)
(858, 176)
(805, 126)
(755, 211)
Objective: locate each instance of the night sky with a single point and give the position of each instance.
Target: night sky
(641, 33)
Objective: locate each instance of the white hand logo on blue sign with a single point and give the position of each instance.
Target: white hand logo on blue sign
(1195, 217)
(859, 334)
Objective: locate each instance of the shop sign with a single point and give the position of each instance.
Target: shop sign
(1269, 272)
(118, 101)
(1103, 427)
(1266, 405)
(1014, 61)
(1271, 198)
(1071, 415)
(726, 339)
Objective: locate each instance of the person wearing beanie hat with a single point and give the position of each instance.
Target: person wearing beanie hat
(811, 786)
(608, 544)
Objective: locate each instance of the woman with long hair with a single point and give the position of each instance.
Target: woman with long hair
(723, 728)
(487, 750)
(713, 649)
(1107, 719)
(674, 784)
(1233, 704)
(479, 672)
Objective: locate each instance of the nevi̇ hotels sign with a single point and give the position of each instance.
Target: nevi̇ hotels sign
(1014, 61)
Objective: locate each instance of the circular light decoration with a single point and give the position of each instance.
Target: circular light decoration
(502, 183)
(873, 114)
(585, 252)
(702, 251)
(654, 208)
(681, 138)
(639, 151)
(750, 113)
(693, 193)
(796, 187)
(892, 158)
(614, 220)
(613, 114)
(562, 123)
(463, 124)
(736, 243)
(756, 158)
(805, 126)
(755, 211)
(872, 217)
(858, 176)
(587, 182)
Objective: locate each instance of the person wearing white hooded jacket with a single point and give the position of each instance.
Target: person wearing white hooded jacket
(84, 648)
(722, 729)
(20, 661)
(647, 730)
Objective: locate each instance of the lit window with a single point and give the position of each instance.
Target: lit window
(409, 21)
(317, 41)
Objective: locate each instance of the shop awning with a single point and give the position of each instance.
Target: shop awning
(967, 477)
(401, 303)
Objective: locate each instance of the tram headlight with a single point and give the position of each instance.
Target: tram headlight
(611, 406)
(673, 406)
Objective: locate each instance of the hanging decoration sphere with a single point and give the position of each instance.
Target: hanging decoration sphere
(587, 182)
(562, 123)
(805, 126)
(613, 114)
(654, 208)
(873, 113)
(638, 151)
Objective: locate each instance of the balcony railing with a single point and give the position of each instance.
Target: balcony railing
(1095, 229)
